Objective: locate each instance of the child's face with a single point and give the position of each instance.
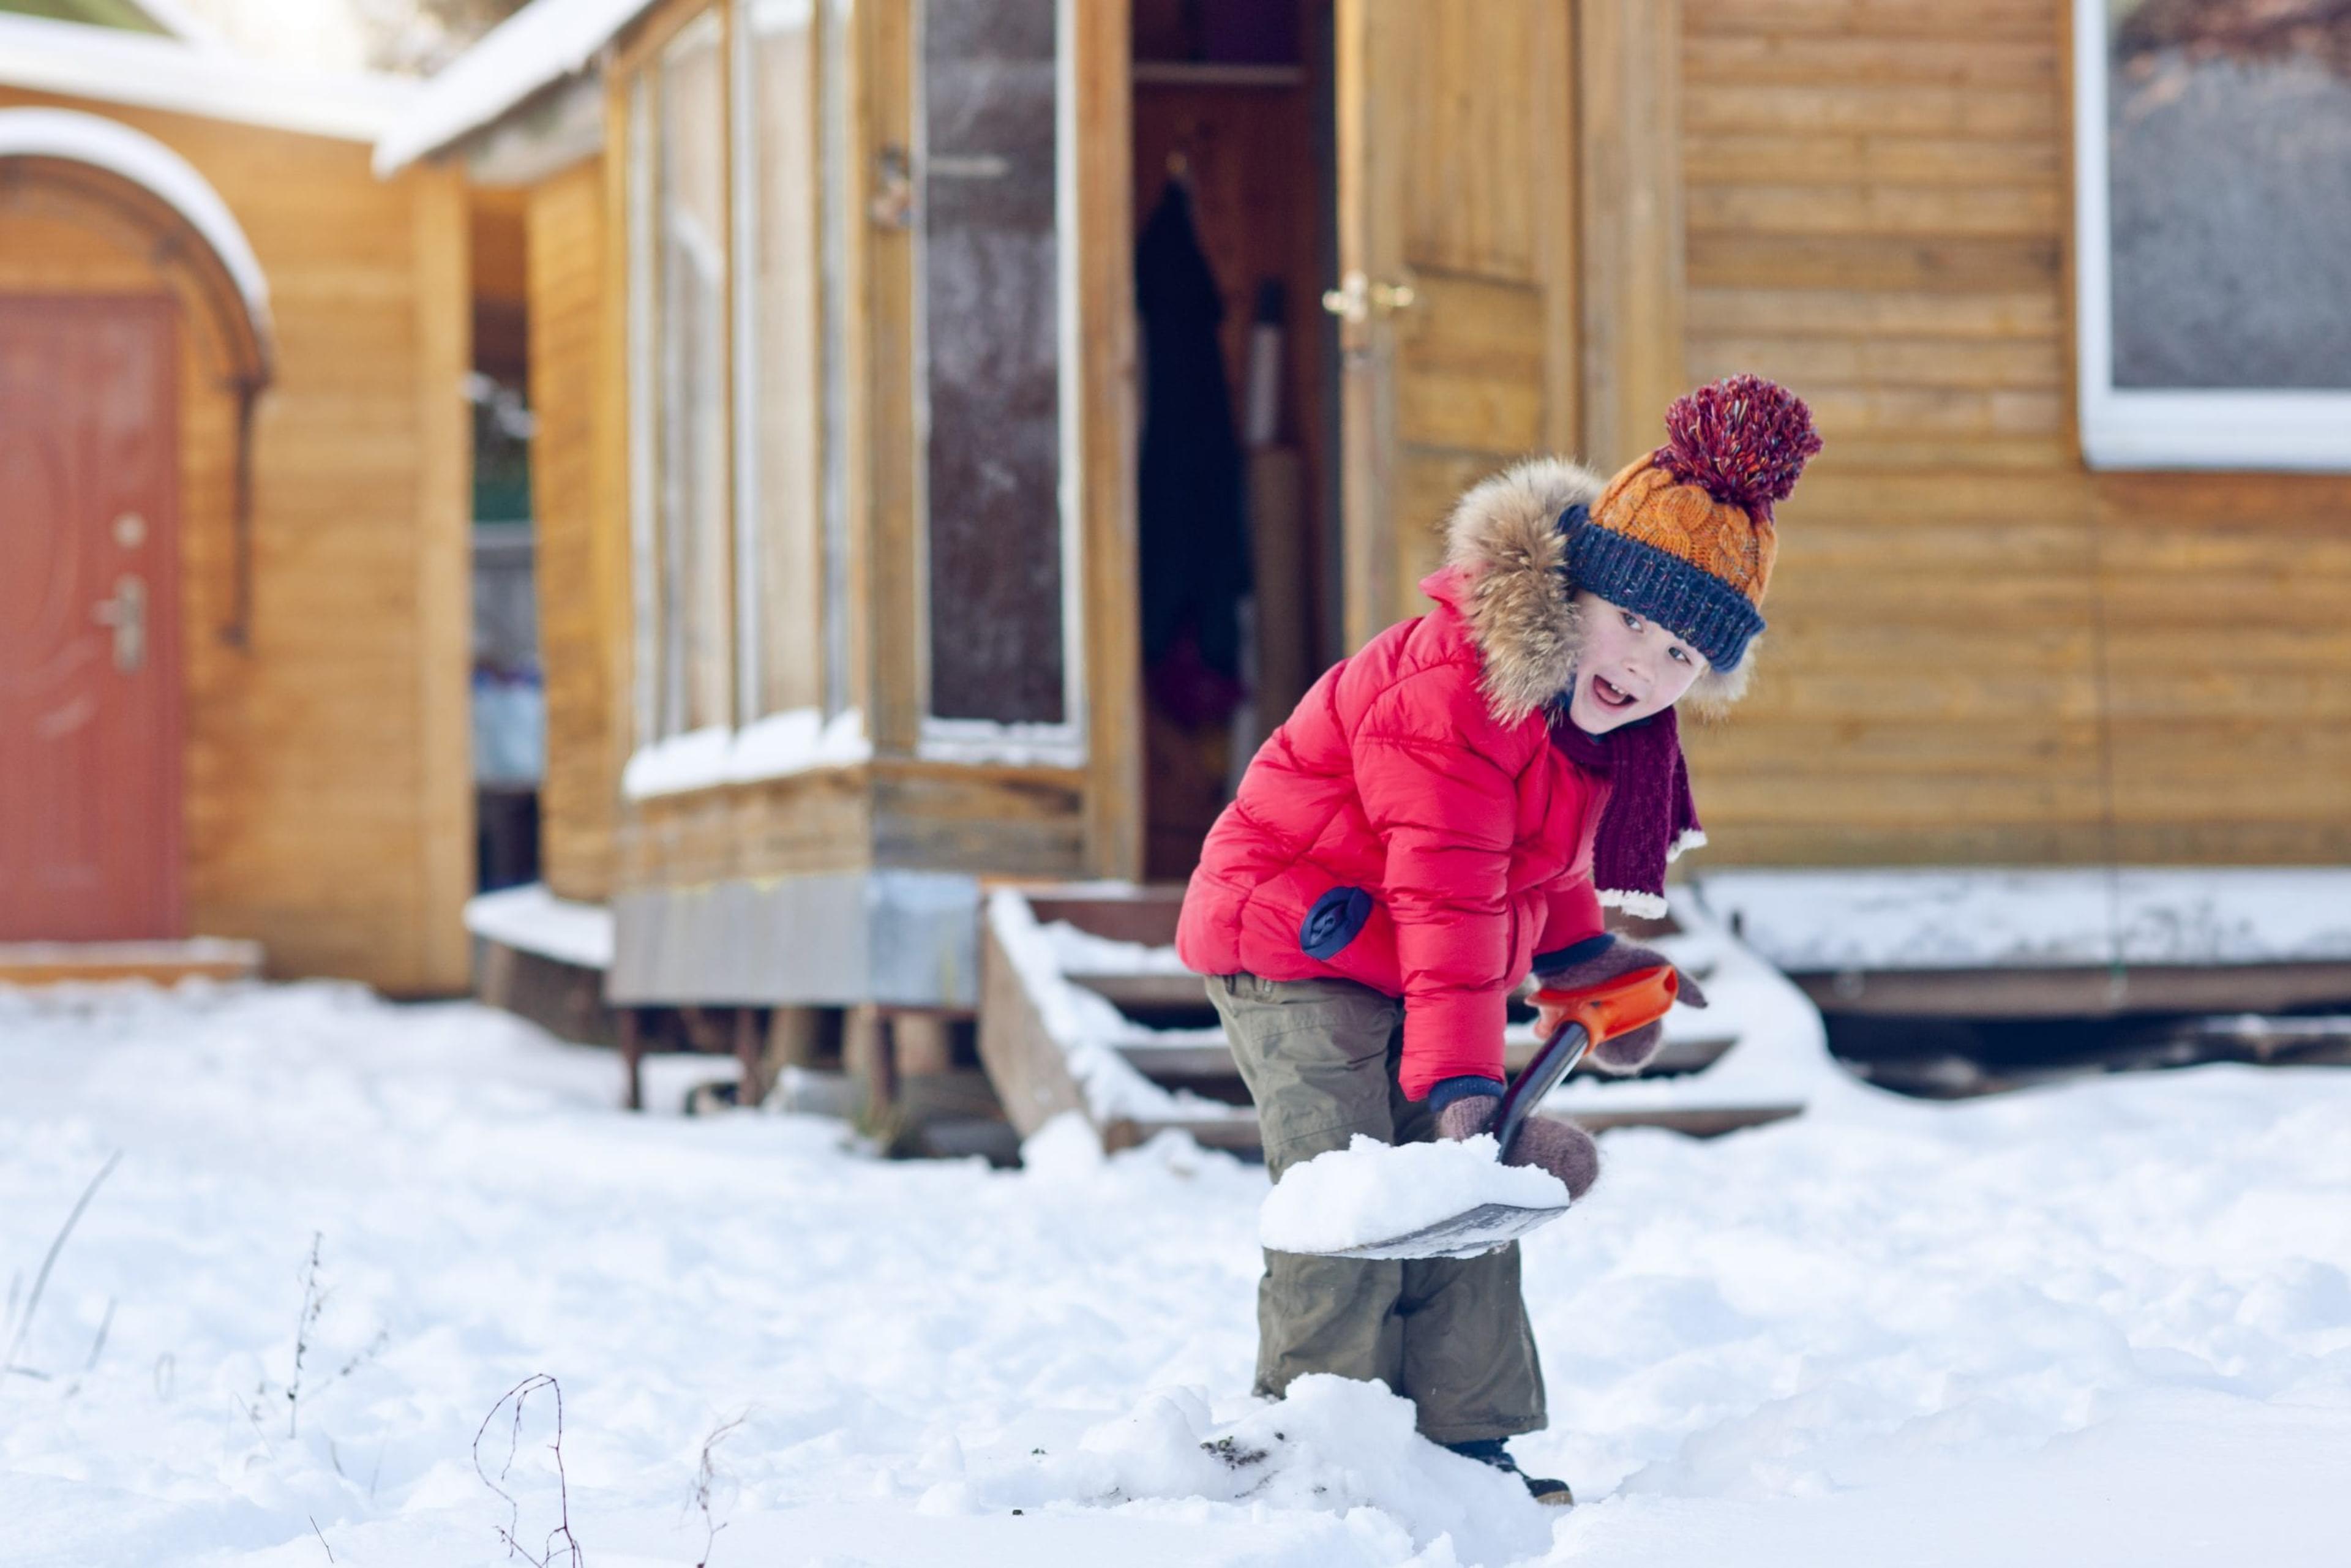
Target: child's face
(1631, 667)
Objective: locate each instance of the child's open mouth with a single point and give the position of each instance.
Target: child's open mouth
(1609, 694)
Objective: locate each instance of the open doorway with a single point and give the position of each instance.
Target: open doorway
(1234, 195)
(509, 689)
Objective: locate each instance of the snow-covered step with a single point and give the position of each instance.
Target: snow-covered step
(157, 963)
(1086, 1007)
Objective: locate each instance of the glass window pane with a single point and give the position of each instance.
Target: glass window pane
(694, 616)
(993, 346)
(785, 546)
(2229, 171)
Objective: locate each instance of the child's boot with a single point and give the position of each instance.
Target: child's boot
(1495, 1452)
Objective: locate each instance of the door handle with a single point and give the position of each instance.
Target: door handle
(126, 612)
(1358, 297)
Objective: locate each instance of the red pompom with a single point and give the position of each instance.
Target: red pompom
(1743, 438)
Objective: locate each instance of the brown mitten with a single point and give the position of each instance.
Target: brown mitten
(1629, 1052)
(1467, 1116)
(1562, 1148)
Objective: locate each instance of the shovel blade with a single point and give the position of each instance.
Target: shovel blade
(1467, 1234)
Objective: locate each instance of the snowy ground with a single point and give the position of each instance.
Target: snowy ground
(2107, 1323)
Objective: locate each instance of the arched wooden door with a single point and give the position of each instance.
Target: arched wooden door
(89, 637)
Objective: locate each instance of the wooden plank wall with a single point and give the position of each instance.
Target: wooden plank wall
(1970, 632)
(581, 539)
(328, 786)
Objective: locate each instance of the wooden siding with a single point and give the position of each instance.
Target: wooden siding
(890, 813)
(581, 538)
(328, 787)
(1979, 651)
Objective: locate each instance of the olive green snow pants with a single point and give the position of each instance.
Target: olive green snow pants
(1450, 1334)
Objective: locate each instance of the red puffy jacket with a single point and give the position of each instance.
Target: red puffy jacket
(1412, 827)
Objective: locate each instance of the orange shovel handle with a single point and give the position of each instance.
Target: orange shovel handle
(1614, 1007)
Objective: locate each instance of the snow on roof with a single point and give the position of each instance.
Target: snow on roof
(107, 144)
(538, 45)
(177, 20)
(112, 66)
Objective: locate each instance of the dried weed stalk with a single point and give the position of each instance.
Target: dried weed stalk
(560, 1537)
(23, 1324)
(705, 1478)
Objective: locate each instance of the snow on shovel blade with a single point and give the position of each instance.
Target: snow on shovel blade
(1602, 1012)
(1466, 1235)
(1486, 1226)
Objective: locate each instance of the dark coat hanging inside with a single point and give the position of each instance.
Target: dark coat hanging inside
(1194, 552)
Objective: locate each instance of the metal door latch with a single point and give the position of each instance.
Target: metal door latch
(1358, 298)
(126, 612)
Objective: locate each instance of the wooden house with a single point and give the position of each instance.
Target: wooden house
(835, 353)
(233, 466)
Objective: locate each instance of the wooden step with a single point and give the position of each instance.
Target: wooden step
(1188, 1081)
(1190, 1063)
(157, 963)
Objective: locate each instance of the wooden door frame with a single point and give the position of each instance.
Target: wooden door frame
(1099, 75)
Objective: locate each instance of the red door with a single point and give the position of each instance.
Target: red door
(90, 635)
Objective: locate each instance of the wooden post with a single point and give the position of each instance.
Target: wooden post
(795, 1035)
(923, 1043)
(751, 1086)
(703, 1031)
(865, 1051)
(632, 1051)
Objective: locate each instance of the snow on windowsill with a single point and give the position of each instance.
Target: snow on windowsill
(533, 920)
(801, 740)
(1007, 745)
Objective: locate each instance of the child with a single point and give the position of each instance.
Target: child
(1446, 811)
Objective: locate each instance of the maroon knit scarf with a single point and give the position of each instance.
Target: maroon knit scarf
(1649, 817)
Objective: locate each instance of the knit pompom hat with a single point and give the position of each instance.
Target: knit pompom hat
(1685, 536)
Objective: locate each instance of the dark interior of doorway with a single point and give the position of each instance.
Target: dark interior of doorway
(506, 682)
(1233, 178)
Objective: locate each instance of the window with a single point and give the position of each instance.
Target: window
(741, 140)
(1000, 566)
(678, 353)
(738, 502)
(2213, 212)
(779, 473)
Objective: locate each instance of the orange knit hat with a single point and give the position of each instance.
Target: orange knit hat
(1685, 536)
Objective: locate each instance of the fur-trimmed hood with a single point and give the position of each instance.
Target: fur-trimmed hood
(1517, 600)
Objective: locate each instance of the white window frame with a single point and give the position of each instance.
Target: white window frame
(829, 22)
(742, 168)
(650, 548)
(645, 635)
(2136, 427)
(973, 740)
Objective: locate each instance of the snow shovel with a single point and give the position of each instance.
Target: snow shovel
(1600, 1012)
